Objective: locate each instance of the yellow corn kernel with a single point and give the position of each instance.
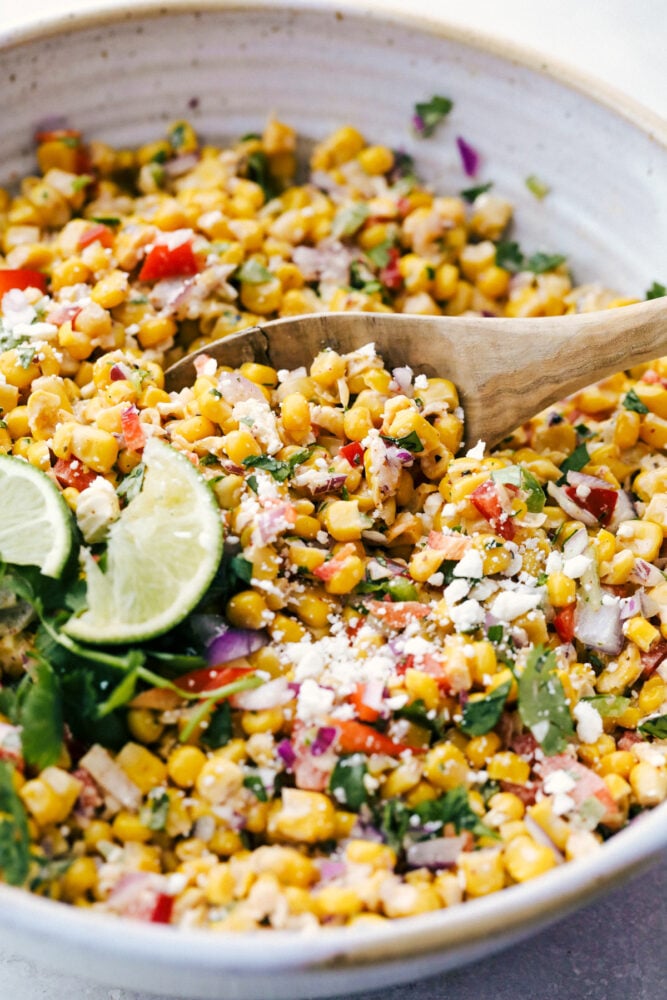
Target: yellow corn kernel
(312, 608)
(357, 422)
(642, 538)
(97, 831)
(110, 290)
(16, 374)
(525, 859)
(144, 725)
(247, 609)
(483, 871)
(620, 791)
(185, 764)
(18, 422)
(654, 431)
(270, 720)
(621, 673)
(424, 687)
(51, 797)
(338, 901)
(652, 695)
(141, 766)
(239, 445)
(493, 281)
(504, 807)
(376, 159)
(95, 448)
(619, 762)
(128, 828)
(341, 146)
(445, 766)
(508, 766)
(653, 396)
(404, 778)
(295, 414)
(262, 297)
(225, 843)
(219, 779)
(345, 579)
(480, 749)
(79, 879)
(561, 589)
(648, 783)
(641, 632)
(366, 852)
(155, 329)
(193, 429)
(445, 282)
(626, 428)
(219, 885)
(617, 571)
(477, 257)
(9, 397)
(343, 520)
(304, 817)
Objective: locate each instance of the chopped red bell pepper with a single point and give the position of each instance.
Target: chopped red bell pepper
(564, 622)
(211, 678)
(390, 274)
(133, 431)
(599, 501)
(162, 909)
(352, 453)
(96, 233)
(355, 737)
(21, 278)
(72, 472)
(488, 500)
(167, 262)
(364, 711)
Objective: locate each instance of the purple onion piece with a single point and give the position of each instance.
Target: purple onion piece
(325, 737)
(469, 156)
(570, 507)
(583, 479)
(234, 644)
(631, 606)
(600, 627)
(646, 573)
(332, 484)
(442, 852)
(625, 510)
(330, 869)
(285, 751)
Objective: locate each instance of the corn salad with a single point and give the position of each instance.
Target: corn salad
(460, 660)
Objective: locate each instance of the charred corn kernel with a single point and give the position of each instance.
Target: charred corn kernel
(422, 687)
(239, 445)
(338, 901)
(648, 783)
(142, 767)
(652, 694)
(97, 449)
(508, 766)
(155, 330)
(96, 832)
(376, 159)
(219, 779)
(482, 871)
(561, 589)
(128, 828)
(641, 632)
(219, 885)
(380, 857)
(445, 767)
(144, 725)
(184, 765)
(619, 762)
(270, 720)
(525, 859)
(247, 609)
(480, 749)
(621, 673)
(304, 817)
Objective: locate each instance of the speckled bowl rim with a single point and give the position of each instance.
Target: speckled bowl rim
(463, 930)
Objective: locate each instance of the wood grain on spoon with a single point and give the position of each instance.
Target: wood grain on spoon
(506, 370)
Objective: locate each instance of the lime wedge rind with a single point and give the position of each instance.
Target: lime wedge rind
(36, 526)
(162, 555)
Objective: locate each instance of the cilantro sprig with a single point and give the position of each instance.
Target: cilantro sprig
(542, 703)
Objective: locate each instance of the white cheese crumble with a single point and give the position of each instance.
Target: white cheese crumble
(97, 508)
(589, 722)
(467, 616)
(576, 566)
(470, 565)
(512, 604)
(477, 451)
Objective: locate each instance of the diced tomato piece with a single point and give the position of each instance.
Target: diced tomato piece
(450, 546)
(364, 711)
(162, 909)
(212, 678)
(167, 262)
(653, 658)
(398, 614)
(352, 453)
(488, 500)
(390, 274)
(355, 737)
(21, 278)
(329, 569)
(599, 502)
(133, 431)
(72, 472)
(564, 622)
(96, 233)
(587, 785)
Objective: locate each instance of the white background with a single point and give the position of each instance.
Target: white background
(613, 950)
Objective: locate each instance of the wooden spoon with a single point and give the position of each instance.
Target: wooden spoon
(506, 370)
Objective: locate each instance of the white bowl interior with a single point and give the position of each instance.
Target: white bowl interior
(121, 78)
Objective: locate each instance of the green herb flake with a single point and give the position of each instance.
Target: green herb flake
(279, 470)
(258, 170)
(576, 461)
(428, 115)
(656, 291)
(411, 442)
(656, 727)
(155, 812)
(397, 587)
(107, 220)
(349, 219)
(542, 703)
(539, 263)
(509, 256)
(347, 781)
(41, 717)
(471, 194)
(26, 355)
(218, 732)
(14, 835)
(379, 255)
(631, 401)
(177, 136)
(495, 633)
(253, 273)
(254, 783)
(131, 485)
(81, 182)
(252, 483)
(242, 568)
(516, 475)
(537, 186)
(480, 716)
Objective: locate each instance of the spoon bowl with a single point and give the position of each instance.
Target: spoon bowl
(505, 370)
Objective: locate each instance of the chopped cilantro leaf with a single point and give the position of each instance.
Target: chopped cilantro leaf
(481, 715)
(472, 193)
(156, 810)
(279, 470)
(41, 716)
(349, 219)
(255, 784)
(129, 487)
(259, 171)
(657, 727)
(411, 442)
(631, 401)
(252, 483)
(542, 703)
(379, 255)
(81, 182)
(541, 262)
(428, 114)
(656, 291)
(516, 475)
(346, 783)
(576, 461)
(608, 705)
(14, 835)
(495, 633)
(218, 732)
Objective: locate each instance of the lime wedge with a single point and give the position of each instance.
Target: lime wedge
(162, 554)
(36, 523)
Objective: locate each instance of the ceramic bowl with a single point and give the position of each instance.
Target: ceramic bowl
(120, 77)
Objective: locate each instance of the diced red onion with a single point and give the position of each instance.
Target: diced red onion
(273, 694)
(469, 156)
(285, 751)
(235, 388)
(625, 510)
(181, 164)
(631, 606)
(111, 778)
(570, 507)
(599, 628)
(442, 852)
(576, 544)
(646, 574)
(332, 485)
(331, 869)
(323, 740)
(399, 455)
(234, 644)
(403, 378)
(575, 478)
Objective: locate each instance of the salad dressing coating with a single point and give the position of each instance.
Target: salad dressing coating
(450, 671)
